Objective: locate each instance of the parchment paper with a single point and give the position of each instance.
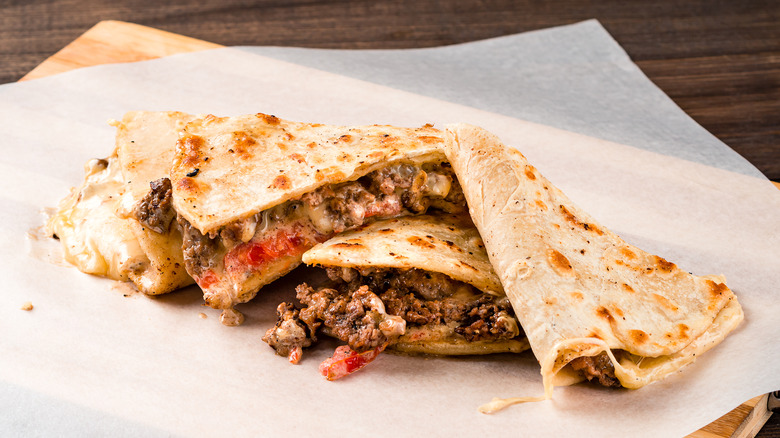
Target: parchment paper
(94, 357)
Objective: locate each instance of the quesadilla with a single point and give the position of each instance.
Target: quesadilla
(111, 226)
(593, 306)
(254, 192)
(415, 284)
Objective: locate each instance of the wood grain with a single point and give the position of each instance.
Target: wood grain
(110, 42)
(717, 59)
(114, 42)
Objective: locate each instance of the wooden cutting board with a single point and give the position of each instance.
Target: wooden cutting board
(111, 42)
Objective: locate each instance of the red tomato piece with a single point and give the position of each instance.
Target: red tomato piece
(346, 361)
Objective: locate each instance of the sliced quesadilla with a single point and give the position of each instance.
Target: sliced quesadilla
(111, 225)
(593, 306)
(418, 284)
(254, 192)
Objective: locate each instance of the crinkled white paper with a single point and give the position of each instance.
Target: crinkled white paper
(93, 357)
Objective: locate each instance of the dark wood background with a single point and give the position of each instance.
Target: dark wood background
(719, 60)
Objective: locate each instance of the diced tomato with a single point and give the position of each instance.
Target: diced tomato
(257, 253)
(345, 361)
(207, 279)
(295, 354)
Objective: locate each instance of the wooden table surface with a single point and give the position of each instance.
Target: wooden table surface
(718, 60)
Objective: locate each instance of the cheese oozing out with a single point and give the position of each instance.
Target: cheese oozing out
(93, 237)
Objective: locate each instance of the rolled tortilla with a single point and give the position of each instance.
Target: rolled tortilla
(578, 289)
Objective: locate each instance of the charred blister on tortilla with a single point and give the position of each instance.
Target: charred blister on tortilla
(246, 251)
(374, 308)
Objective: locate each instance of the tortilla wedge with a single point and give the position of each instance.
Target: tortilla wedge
(95, 223)
(583, 295)
(254, 192)
(425, 282)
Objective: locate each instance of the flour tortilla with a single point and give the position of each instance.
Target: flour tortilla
(227, 169)
(444, 244)
(95, 224)
(577, 288)
(146, 142)
(230, 171)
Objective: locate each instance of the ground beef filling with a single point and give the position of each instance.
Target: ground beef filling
(199, 250)
(288, 334)
(385, 193)
(597, 368)
(399, 189)
(155, 211)
(365, 308)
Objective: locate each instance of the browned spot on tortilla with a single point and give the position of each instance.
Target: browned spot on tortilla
(664, 266)
(190, 147)
(512, 151)
(298, 157)
(529, 172)
(345, 157)
(429, 139)
(376, 155)
(450, 244)
(466, 265)
(550, 301)
(345, 138)
(628, 288)
(577, 295)
(418, 241)
(268, 119)
(559, 262)
(348, 245)
(638, 336)
(282, 146)
(618, 311)
(388, 140)
(627, 253)
(334, 174)
(386, 230)
(663, 301)
(569, 216)
(682, 331)
(312, 145)
(319, 176)
(242, 143)
(289, 136)
(602, 312)
(542, 206)
(281, 182)
(595, 334)
(717, 289)
(188, 184)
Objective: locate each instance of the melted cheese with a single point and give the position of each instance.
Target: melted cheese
(93, 238)
(319, 217)
(437, 185)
